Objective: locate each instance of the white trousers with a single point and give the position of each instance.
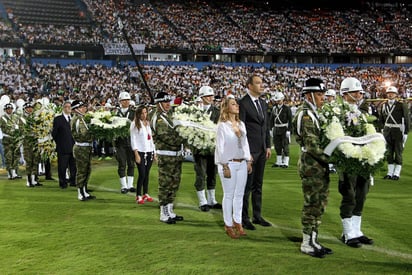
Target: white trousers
(233, 190)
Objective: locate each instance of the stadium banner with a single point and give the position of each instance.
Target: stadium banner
(228, 50)
(122, 49)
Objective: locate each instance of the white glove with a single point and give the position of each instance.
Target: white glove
(288, 135)
(405, 138)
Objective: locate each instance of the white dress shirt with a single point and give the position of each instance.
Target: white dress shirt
(228, 145)
(141, 139)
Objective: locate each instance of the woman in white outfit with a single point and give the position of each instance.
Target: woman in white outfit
(141, 141)
(234, 162)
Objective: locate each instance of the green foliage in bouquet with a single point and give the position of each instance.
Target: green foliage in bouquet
(106, 125)
(340, 119)
(195, 126)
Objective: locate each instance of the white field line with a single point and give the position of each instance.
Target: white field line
(374, 248)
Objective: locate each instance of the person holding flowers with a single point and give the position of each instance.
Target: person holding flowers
(353, 186)
(30, 148)
(82, 149)
(204, 161)
(124, 154)
(313, 166)
(169, 150)
(234, 161)
(141, 141)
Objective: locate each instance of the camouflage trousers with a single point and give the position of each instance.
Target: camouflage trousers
(170, 170)
(11, 154)
(31, 157)
(315, 187)
(83, 157)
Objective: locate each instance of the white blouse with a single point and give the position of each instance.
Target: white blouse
(228, 145)
(141, 140)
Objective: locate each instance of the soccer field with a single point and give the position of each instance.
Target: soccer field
(46, 230)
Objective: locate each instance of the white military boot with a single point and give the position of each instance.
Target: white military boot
(201, 195)
(164, 215)
(211, 199)
(172, 214)
(348, 235)
(356, 224)
(130, 184)
(308, 247)
(123, 185)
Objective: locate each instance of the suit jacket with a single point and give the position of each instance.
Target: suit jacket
(62, 135)
(256, 127)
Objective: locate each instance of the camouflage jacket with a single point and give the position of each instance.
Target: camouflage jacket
(26, 124)
(9, 125)
(80, 130)
(307, 130)
(164, 132)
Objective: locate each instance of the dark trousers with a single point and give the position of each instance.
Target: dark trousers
(126, 161)
(65, 161)
(353, 190)
(205, 169)
(254, 186)
(144, 170)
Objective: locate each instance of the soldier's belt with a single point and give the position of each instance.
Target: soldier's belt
(169, 153)
(83, 144)
(281, 125)
(391, 125)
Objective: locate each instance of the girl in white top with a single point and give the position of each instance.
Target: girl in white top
(141, 141)
(234, 162)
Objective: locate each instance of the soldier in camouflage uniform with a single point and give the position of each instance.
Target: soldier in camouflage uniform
(30, 148)
(170, 157)
(11, 141)
(124, 152)
(313, 167)
(82, 149)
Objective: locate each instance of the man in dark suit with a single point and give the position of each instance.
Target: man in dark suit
(253, 112)
(62, 135)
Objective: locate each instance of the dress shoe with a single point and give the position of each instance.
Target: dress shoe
(63, 186)
(262, 222)
(38, 184)
(230, 232)
(365, 240)
(239, 229)
(124, 190)
(351, 242)
(387, 177)
(72, 184)
(395, 177)
(132, 189)
(91, 197)
(216, 206)
(325, 250)
(49, 178)
(248, 225)
(275, 165)
(204, 208)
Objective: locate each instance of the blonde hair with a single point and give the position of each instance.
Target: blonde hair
(224, 109)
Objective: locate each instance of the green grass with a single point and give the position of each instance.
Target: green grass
(46, 230)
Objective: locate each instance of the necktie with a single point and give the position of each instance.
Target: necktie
(68, 119)
(259, 108)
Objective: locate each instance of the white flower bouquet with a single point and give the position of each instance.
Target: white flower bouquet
(195, 126)
(106, 125)
(42, 127)
(350, 139)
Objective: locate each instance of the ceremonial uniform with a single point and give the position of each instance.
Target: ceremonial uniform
(204, 163)
(124, 152)
(313, 169)
(281, 125)
(30, 147)
(11, 141)
(395, 119)
(169, 146)
(82, 150)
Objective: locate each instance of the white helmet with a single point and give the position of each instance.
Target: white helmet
(350, 84)
(278, 96)
(124, 96)
(206, 91)
(330, 92)
(392, 89)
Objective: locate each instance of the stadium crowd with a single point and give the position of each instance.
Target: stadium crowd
(200, 25)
